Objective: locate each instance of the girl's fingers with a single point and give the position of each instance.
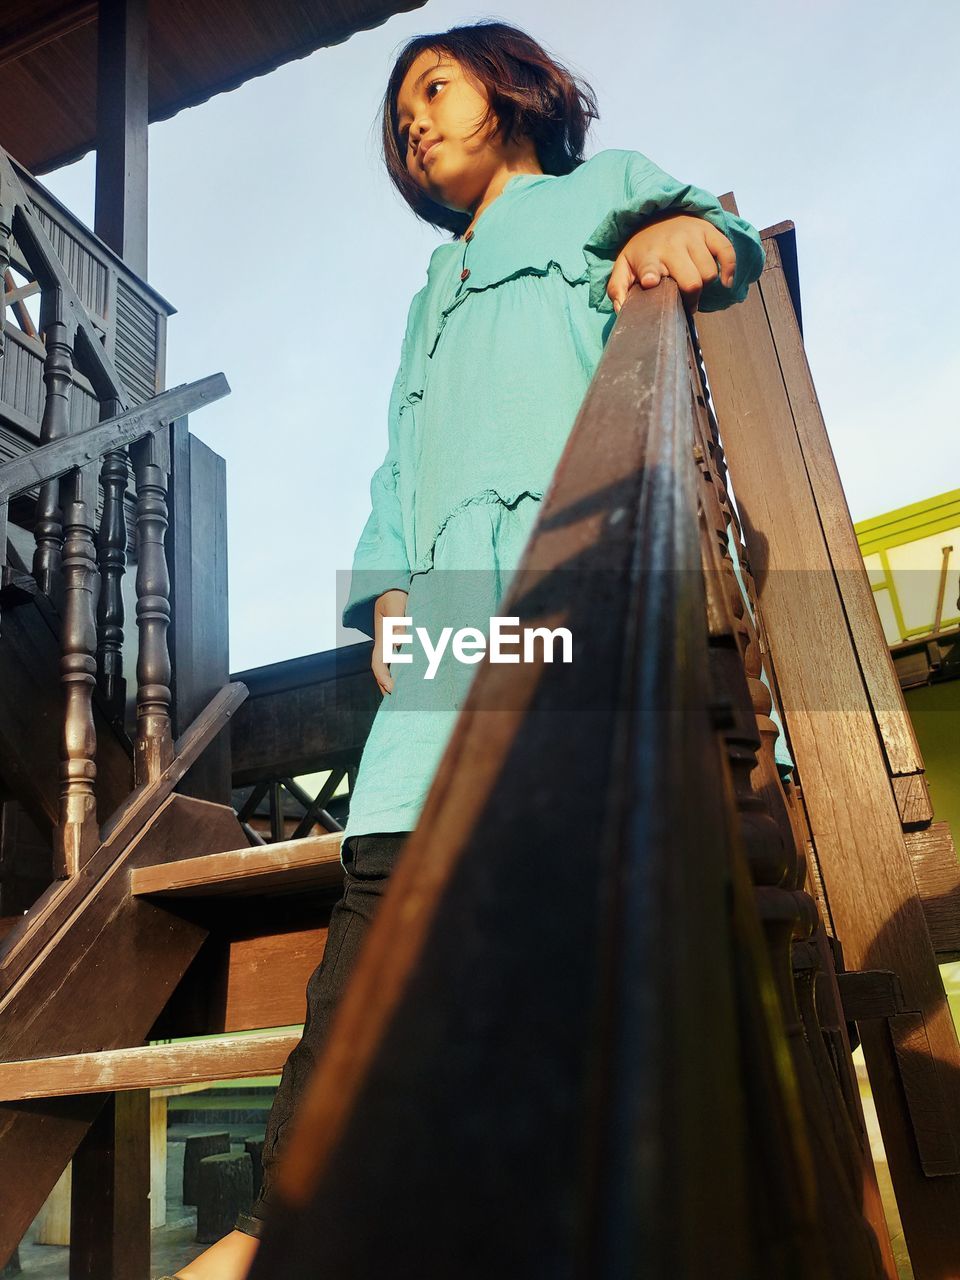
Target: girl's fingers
(380, 669)
(621, 278)
(694, 255)
(651, 273)
(705, 262)
(687, 275)
(645, 269)
(381, 673)
(724, 252)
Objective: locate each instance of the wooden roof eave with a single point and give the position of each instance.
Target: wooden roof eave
(49, 48)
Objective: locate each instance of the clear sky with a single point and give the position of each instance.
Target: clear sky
(292, 262)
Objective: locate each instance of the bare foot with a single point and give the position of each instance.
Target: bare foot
(228, 1259)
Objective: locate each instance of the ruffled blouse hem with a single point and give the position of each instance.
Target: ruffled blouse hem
(505, 497)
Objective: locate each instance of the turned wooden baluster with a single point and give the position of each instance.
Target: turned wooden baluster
(78, 834)
(3, 547)
(58, 338)
(6, 230)
(112, 557)
(154, 746)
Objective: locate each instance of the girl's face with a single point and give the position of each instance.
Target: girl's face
(439, 108)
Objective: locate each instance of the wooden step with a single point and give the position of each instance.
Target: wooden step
(159, 1066)
(289, 866)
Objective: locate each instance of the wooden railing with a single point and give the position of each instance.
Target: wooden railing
(66, 560)
(601, 1038)
(78, 469)
(127, 315)
(308, 715)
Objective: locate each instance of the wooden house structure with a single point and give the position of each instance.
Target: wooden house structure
(647, 1073)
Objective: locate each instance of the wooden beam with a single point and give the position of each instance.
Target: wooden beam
(897, 735)
(120, 218)
(159, 1066)
(290, 866)
(23, 38)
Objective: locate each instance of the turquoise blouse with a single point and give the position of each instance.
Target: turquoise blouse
(500, 346)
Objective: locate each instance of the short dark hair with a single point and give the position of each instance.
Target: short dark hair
(531, 94)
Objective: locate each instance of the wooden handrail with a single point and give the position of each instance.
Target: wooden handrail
(58, 457)
(546, 1029)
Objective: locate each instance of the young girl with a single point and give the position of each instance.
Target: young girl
(483, 135)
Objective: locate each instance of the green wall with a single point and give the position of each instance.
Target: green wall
(935, 712)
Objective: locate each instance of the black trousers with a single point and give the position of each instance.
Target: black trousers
(368, 861)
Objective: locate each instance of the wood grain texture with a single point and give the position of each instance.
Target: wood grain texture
(154, 1067)
(936, 870)
(846, 559)
(923, 1090)
(913, 799)
(291, 866)
(833, 730)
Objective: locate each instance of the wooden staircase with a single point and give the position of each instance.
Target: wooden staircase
(590, 1036)
(88, 968)
(614, 1038)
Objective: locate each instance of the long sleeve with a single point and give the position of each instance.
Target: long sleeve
(638, 189)
(380, 561)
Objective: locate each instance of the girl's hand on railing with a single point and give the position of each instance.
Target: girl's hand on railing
(686, 248)
(392, 604)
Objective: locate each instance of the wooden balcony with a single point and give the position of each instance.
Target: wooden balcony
(129, 317)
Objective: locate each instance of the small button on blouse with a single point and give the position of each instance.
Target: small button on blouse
(464, 273)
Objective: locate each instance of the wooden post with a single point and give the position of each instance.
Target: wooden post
(158, 1158)
(852, 743)
(120, 217)
(198, 636)
(110, 1208)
